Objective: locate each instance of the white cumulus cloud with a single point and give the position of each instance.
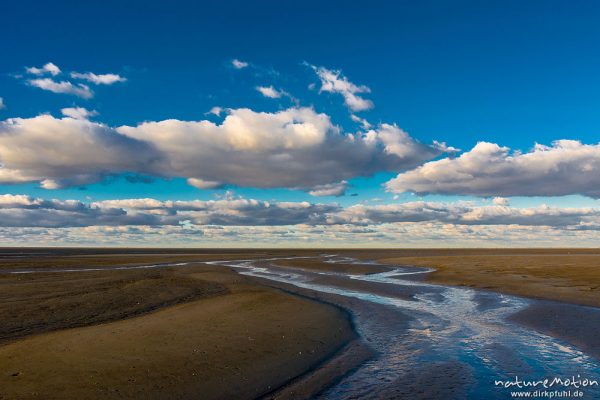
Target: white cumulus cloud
(270, 92)
(293, 148)
(237, 64)
(297, 147)
(78, 112)
(333, 81)
(500, 201)
(330, 189)
(202, 184)
(64, 152)
(564, 168)
(98, 79)
(48, 68)
(66, 87)
(215, 111)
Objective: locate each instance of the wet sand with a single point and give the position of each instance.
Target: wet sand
(189, 332)
(36, 303)
(204, 331)
(573, 324)
(565, 275)
(368, 316)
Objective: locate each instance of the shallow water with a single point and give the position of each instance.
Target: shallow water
(456, 345)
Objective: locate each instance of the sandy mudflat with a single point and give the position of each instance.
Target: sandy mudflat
(36, 303)
(576, 325)
(566, 275)
(199, 332)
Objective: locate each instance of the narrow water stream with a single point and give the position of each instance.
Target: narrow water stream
(456, 344)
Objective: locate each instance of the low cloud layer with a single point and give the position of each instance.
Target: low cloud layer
(412, 235)
(26, 211)
(294, 148)
(566, 167)
(464, 214)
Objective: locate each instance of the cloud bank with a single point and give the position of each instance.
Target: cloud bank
(293, 148)
(27, 211)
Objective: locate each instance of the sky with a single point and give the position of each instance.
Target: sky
(307, 124)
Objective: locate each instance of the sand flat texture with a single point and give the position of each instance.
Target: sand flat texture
(235, 340)
(567, 275)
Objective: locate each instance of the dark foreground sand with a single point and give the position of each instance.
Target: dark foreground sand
(199, 332)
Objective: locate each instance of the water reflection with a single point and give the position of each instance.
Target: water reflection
(449, 329)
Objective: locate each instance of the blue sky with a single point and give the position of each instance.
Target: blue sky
(509, 73)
